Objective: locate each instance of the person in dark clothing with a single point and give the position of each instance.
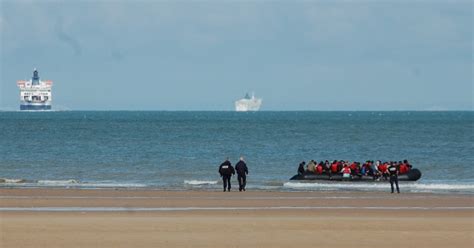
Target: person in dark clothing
(301, 169)
(393, 172)
(242, 172)
(226, 171)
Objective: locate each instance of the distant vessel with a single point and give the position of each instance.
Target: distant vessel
(248, 103)
(35, 94)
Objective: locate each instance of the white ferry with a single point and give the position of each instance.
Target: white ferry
(248, 103)
(35, 94)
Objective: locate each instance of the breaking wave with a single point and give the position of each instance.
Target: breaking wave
(67, 183)
(423, 187)
(412, 187)
(57, 182)
(9, 180)
(198, 182)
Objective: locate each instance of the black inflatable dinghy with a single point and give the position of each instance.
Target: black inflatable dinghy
(411, 175)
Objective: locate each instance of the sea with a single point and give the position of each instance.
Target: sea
(168, 150)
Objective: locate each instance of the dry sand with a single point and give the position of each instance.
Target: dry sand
(149, 218)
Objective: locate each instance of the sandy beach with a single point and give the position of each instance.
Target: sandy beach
(150, 218)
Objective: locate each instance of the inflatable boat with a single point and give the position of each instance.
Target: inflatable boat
(412, 175)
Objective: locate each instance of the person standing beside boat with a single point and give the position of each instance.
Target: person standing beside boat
(242, 172)
(393, 172)
(226, 171)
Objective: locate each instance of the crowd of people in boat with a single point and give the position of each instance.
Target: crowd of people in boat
(348, 169)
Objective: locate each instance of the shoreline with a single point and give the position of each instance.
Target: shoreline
(436, 187)
(9, 189)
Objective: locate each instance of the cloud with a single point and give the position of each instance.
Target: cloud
(66, 38)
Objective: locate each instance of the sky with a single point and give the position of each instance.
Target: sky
(204, 55)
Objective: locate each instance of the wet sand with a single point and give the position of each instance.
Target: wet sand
(150, 218)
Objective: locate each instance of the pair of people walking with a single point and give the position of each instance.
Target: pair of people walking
(226, 171)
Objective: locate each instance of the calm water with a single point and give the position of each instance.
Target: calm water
(182, 150)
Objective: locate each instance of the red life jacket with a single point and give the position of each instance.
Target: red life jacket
(346, 170)
(334, 168)
(319, 169)
(403, 169)
(353, 166)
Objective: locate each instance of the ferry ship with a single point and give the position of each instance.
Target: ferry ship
(248, 103)
(35, 94)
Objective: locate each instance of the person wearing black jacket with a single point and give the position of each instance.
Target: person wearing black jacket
(226, 171)
(393, 172)
(242, 172)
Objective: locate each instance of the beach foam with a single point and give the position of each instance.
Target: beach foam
(58, 182)
(9, 180)
(113, 185)
(444, 186)
(21, 183)
(414, 187)
(198, 182)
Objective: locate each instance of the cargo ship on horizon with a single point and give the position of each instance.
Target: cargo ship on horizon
(35, 94)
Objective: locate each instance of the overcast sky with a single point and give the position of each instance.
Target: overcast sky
(203, 55)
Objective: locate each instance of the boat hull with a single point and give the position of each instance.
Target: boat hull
(412, 175)
(35, 107)
(245, 105)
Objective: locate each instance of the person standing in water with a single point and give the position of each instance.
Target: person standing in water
(393, 172)
(226, 171)
(242, 172)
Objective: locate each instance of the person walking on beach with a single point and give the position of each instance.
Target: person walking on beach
(242, 172)
(226, 171)
(393, 172)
